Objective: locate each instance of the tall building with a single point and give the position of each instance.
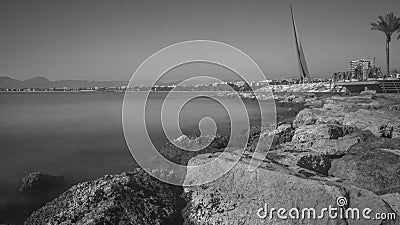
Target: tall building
(361, 66)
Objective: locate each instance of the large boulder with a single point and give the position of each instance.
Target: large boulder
(373, 165)
(369, 94)
(282, 134)
(266, 140)
(179, 150)
(395, 107)
(332, 106)
(319, 163)
(318, 156)
(373, 120)
(306, 117)
(371, 105)
(128, 198)
(241, 195)
(393, 199)
(312, 133)
(39, 182)
(314, 102)
(318, 116)
(342, 144)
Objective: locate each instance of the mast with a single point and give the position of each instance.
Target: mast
(303, 70)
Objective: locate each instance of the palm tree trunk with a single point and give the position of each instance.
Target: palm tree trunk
(387, 58)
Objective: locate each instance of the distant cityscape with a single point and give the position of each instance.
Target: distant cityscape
(358, 70)
(41, 84)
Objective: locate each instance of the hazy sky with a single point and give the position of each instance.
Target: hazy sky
(107, 40)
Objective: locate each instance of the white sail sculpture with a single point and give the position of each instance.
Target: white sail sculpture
(303, 70)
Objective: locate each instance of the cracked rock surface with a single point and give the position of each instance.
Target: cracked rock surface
(236, 197)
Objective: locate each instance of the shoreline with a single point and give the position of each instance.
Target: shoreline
(297, 160)
(20, 201)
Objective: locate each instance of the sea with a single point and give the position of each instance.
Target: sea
(80, 136)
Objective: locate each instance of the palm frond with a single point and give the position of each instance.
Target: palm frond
(387, 24)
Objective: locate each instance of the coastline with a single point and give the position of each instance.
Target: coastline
(307, 144)
(17, 205)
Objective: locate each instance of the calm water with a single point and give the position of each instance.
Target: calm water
(77, 135)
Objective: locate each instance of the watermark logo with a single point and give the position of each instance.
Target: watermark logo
(340, 211)
(141, 129)
(341, 201)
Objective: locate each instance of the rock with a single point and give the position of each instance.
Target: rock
(318, 116)
(314, 102)
(290, 157)
(370, 94)
(395, 107)
(236, 197)
(373, 165)
(372, 120)
(311, 133)
(317, 156)
(293, 98)
(394, 201)
(331, 100)
(306, 117)
(172, 152)
(367, 101)
(297, 88)
(385, 131)
(356, 117)
(215, 141)
(260, 142)
(298, 100)
(128, 198)
(255, 130)
(371, 105)
(39, 182)
(282, 134)
(332, 106)
(342, 144)
(316, 162)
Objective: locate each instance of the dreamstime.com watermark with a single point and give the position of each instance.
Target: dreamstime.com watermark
(340, 211)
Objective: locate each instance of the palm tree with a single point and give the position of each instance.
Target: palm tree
(398, 31)
(387, 24)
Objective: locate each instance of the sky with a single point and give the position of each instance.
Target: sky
(107, 40)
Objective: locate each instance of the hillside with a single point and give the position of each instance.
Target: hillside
(42, 82)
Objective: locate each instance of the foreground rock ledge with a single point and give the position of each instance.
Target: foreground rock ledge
(236, 197)
(373, 165)
(128, 198)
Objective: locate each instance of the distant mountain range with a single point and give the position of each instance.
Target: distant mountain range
(43, 82)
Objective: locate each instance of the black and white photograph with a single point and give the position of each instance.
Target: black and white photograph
(129, 112)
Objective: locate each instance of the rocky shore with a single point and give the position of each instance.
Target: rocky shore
(129, 198)
(283, 93)
(337, 147)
